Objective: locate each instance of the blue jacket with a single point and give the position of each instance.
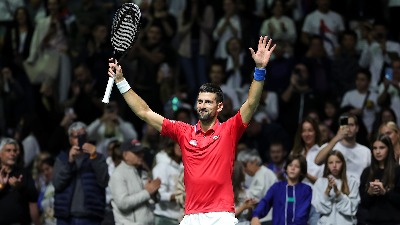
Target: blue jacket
(288, 210)
(65, 180)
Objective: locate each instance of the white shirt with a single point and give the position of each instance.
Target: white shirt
(312, 168)
(356, 99)
(357, 158)
(31, 149)
(262, 181)
(334, 24)
(394, 99)
(220, 51)
(169, 174)
(278, 34)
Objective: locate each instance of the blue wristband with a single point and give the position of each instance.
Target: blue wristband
(259, 74)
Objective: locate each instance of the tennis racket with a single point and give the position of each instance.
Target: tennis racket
(124, 32)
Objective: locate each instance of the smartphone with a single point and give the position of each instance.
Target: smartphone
(344, 121)
(389, 73)
(81, 140)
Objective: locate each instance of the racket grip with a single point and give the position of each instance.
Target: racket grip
(106, 98)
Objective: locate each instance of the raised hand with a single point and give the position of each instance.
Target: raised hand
(264, 51)
(15, 181)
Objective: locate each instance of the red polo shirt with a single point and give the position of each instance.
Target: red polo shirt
(208, 159)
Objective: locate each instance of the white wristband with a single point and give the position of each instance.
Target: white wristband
(123, 86)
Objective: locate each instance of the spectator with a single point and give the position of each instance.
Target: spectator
(383, 116)
(379, 185)
(130, 195)
(361, 101)
(389, 90)
(46, 202)
(227, 27)
(326, 133)
(391, 130)
(290, 200)
(335, 195)
(279, 26)
(110, 125)
(167, 211)
(357, 156)
(195, 25)
(80, 179)
(18, 194)
(277, 156)
(158, 13)
(262, 177)
(325, 23)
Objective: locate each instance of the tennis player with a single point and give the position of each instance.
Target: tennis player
(208, 148)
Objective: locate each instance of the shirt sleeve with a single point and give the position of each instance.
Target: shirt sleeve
(173, 129)
(236, 126)
(265, 204)
(348, 204)
(321, 202)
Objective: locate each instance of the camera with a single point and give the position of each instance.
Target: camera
(81, 140)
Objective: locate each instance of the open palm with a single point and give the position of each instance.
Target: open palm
(264, 51)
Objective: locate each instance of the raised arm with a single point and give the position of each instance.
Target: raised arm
(261, 58)
(135, 102)
(321, 156)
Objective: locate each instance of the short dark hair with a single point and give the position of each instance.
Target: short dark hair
(366, 72)
(212, 88)
(303, 164)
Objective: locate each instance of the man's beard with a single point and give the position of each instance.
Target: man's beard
(205, 117)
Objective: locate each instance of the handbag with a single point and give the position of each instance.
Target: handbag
(44, 68)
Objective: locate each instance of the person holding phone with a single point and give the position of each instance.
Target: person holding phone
(80, 178)
(379, 186)
(336, 195)
(357, 156)
(389, 89)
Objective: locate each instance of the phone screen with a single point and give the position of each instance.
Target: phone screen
(344, 120)
(389, 73)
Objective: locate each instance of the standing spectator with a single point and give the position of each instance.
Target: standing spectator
(357, 156)
(290, 200)
(379, 53)
(361, 101)
(18, 194)
(325, 23)
(379, 188)
(167, 210)
(306, 143)
(195, 25)
(7, 9)
(130, 192)
(335, 195)
(158, 13)
(227, 27)
(46, 202)
(109, 126)
(262, 177)
(391, 130)
(389, 90)
(80, 179)
(279, 26)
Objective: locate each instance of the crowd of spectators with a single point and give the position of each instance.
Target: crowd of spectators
(333, 58)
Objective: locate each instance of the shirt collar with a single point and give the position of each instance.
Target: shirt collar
(197, 127)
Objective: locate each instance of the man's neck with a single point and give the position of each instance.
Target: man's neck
(205, 126)
(349, 142)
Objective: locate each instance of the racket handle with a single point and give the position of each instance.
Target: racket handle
(106, 98)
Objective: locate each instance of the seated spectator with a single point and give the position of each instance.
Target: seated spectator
(277, 159)
(290, 200)
(335, 195)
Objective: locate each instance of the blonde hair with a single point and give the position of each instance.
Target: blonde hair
(391, 125)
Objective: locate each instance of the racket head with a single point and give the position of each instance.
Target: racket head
(125, 28)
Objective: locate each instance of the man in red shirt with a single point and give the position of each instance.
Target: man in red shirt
(208, 148)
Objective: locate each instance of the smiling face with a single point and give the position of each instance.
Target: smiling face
(207, 106)
(308, 134)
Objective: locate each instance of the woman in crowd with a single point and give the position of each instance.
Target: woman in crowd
(393, 132)
(379, 186)
(336, 196)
